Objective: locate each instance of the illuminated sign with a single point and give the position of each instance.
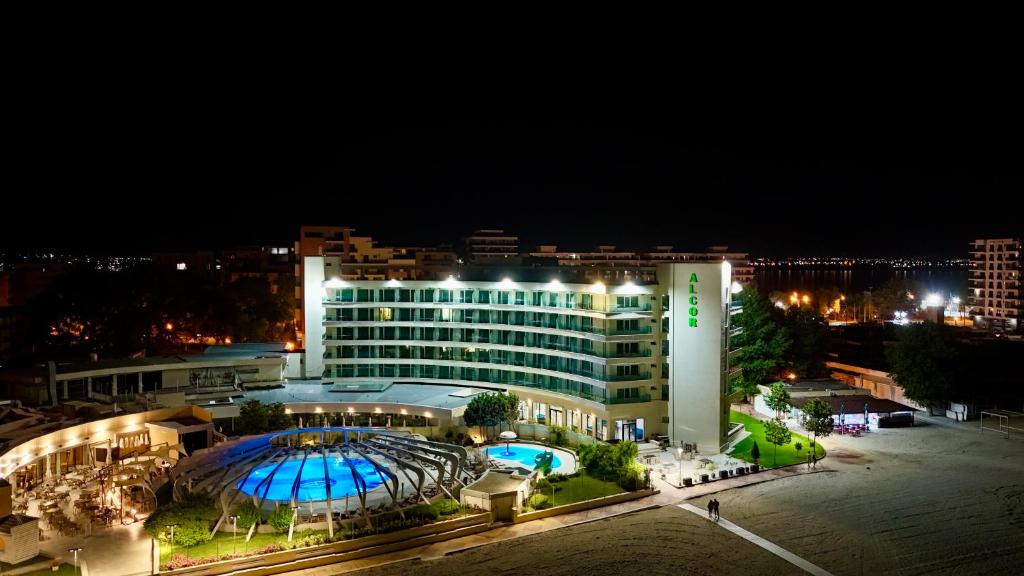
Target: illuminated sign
(693, 300)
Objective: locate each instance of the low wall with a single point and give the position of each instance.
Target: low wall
(289, 560)
(585, 505)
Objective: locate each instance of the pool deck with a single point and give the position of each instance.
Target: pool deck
(567, 460)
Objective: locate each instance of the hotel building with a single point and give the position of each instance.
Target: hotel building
(996, 301)
(625, 360)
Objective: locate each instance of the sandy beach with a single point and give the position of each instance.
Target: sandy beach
(939, 498)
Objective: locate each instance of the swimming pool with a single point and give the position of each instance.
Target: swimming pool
(312, 483)
(522, 454)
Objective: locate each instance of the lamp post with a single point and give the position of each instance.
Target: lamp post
(679, 458)
(75, 551)
(171, 527)
(234, 532)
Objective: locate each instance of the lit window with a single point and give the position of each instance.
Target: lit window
(181, 266)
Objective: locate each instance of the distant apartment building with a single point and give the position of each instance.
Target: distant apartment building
(491, 246)
(995, 297)
(608, 263)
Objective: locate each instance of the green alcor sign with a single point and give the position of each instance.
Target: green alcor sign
(693, 300)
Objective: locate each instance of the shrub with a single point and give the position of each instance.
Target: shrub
(191, 532)
(556, 478)
(281, 519)
(633, 477)
(798, 446)
(539, 502)
(423, 512)
(558, 435)
(755, 453)
(446, 507)
(248, 514)
(193, 508)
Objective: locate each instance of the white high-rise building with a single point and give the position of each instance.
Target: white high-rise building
(623, 361)
(996, 301)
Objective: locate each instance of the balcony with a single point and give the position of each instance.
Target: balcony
(630, 400)
(629, 377)
(641, 308)
(628, 331)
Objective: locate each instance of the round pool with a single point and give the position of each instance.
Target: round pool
(522, 454)
(312, 482)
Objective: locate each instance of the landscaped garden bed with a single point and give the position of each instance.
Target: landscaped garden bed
(197, 512)
(770, 456)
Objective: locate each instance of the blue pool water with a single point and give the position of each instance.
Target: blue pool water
(522, 454)
(312, 484)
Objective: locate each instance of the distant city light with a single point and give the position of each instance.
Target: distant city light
(289, 346)
(933, 299)
(736, 288)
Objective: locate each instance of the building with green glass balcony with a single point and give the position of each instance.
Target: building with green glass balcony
(602, 360)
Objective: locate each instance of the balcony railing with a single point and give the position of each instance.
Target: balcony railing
(629, 377)
(630, 400)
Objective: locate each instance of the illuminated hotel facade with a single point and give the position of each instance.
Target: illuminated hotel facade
(616, 361)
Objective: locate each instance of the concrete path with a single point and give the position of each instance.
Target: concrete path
(754, 538)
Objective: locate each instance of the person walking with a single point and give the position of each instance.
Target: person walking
(717, 514)
(711, 508)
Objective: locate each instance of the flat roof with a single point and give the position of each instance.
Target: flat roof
(494, 482)
(313, 391)
(855, 404)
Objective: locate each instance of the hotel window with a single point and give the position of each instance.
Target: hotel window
(345, 295)
(627, 370)
(537, 298)
(552, 299)
(444, 295)
(465, 297)
(427, 315)
(627, 301)
(446, 314)
(587, 302)
(387, 295)
(627, 348)
(426, 295)
(364, 295)
(386, 314)
(627, 325)
(520, 298)
(627, 393)
(405, 295)
(363, 314)
(484, 297)
(502, 297)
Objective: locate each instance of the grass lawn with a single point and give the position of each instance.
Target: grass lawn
(584, 487)
(787, 454)
(64, 570)
(222, 544)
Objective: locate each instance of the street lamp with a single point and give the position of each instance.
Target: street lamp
(75, 551)
(171, 527)
(679, 457)
(234, 532)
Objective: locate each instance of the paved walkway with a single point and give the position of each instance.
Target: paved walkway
(754, 538)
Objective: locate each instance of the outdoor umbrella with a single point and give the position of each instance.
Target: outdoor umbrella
(508, 436)
(842, 414)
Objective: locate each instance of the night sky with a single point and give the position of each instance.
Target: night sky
(871, 172)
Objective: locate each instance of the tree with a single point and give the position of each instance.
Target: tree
(924, 362)
(763, 342)
(896, 294)
(810, 342)
(778, 434)
(253, 418)
(778, 399)
(491, 409)
(755, 453)
(817, 418)
(510, 409)
(278, 417)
